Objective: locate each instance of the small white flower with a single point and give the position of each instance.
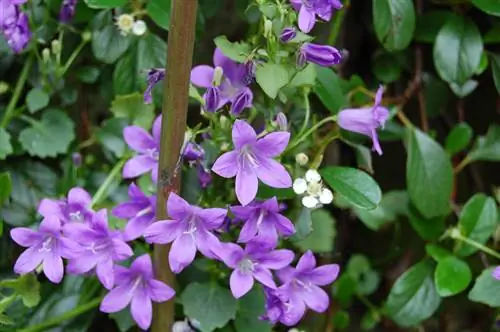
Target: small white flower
(302, 159)
(139, 28)
(181, 326)
(125, 23)
(315, 195)
(326, 196)
(312, 175)
(299, 186)
(310, 202)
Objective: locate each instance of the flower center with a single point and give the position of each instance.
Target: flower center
(246, 266)
(46, 244)
(153, 153)
(136, 284)
(96, 247)
(192, 225)
(314, 188)
(76, 216)
(248, 155)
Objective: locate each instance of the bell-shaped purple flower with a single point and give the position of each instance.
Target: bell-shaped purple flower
(76, 208)
(15, 26)
(67, 10)
(323, 55)
(148, 148)
(310, 9)
(263, 222)
(189, 231)
(100, 248)
(252, 159)
(250, 68)
(136, 286)
(204, 176)
(241, 101)
(288, 34)
(279, 309)
(282, 121)
(212, 99)
(366, 120)
(139, 211)
(254, 262)
(193, 152)
(46, 246)
(155, 75)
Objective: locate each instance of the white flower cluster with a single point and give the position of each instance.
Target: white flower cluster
(315, 194)
(126, 23)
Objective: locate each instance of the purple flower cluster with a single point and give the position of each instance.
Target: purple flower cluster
(310, 10)
(67, 10)
(14, 24)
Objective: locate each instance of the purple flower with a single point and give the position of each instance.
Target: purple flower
(148, 148)
(155, 75)
(263, 222)
(137, 286)
(193, 152)
(67, 10)
(14, 25)
(100, 248)
(204, 176)
(233, 83)
(301, 287)
(254, 262)
(76, 157)
(45, 246)
(309, 9)
(139, 211)
(76, 208)
(189, 230)
(288, 34)
(366, 120)
(496, 273)
(282, 121)
(323, 55)
(252, 159)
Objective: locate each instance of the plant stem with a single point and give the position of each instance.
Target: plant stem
(309, 132)
(462, 165)
(402, 117)
(175, 105)
(337, 24)
(17, 92)
(99, 195)
(308, 113)
(455, 234)
(44, 326)
(73, 56)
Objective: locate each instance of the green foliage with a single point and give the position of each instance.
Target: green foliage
(109, 44)
(37, 99)
(5, 144)
(272, 77)
(459, 138)
(394, 23)
(238, 52)
(132, 107)
(5, 187)
(321, 238)
(487, 147)
(452, 276)
(250, 308)
(159, 11)
(328, 89)
(486, 289)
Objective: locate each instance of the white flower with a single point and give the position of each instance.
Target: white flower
(181, 326)
(139, 28)
(315, 195)
(302, 159)
(125, 23)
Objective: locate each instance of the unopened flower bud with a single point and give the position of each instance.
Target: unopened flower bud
(224, 146)
(212, 98)
(224, 122)
(281, 121)
(125, 23)
(46, 55)
(302, 159)
(288, 34)
(241, 101)
(77, 159)
(56, 47)
(87, 35)
(4, 87)
(268, 28)
(323, 55)
(218, 73)
(139, 28)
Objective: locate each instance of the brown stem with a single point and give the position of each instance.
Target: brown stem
(419, 67)
(176, 93)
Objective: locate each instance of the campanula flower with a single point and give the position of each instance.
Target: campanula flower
(204, 176)
(323, 55)
(148, 148)
(253, 262)
(310, 9)
(496, 273)
(252, 159)
(193, 152)
(155, 75)
(189, 231)
(366, 120)
(100, 246)
(279, 309)
(226, 83)
(67, 10)
(14, 24)
(263, 222)
(76, 208)
(288, 34)
(46, 246)
(136, 286)
(139, 211)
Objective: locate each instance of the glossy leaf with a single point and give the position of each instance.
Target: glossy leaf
(495, 70)
(465, 89)
(328, 89)
(251, 307)
(159, 11)
(429, 24)
(111, 136)
(487, 147)
(452, 276)
(436, 252)
(491, 7)
(108, 44)
(459, 138)
(394, 22)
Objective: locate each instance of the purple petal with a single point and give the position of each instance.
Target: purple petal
(158, 291)
(143, 265)
(376, 145)
(202, 76)
(105, 273)
(53, 267)
(177, 207)
(117, 299)
(286, 274)
(283, 224)
(138, 139)
(496, 273)
(79, 232)
(233, 71)
(79, 196)
(243, 212)
(82, 264)
(208, 244)
(306, 262)
(273, 144)
(323, 275)
(136, 227)
(264, 276)
(243, 134)
(240, 283)
(28, 261)
(277, 259)
(271, 204)
(51, 225)
(135, 192)
(315, 298)
(241, 101)
(100, 220)
(157, 129)
(267, 233)
(296, 309)
(122, 275)
(138, 165)
(212, 218)
(226, 165)
(233, 254)
(307, 19)
(182, 252)
(246, 185)
(142, 309)
(163, 232)
(25, 237)
(273, 173)
(378, 96)
(48, 207)
(127, 210)
(248, 231)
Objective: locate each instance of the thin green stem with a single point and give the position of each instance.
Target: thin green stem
(368, 303)
(11, 107)
(462, 165)
(99, 195)
(455, 234)
(44, 326)
(300, 139)
(402, 117)
(337, 24)
(308, 113)
(73, 56)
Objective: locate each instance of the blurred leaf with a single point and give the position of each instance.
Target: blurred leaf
(478, 221)
(462, 91)
(427, 167)
(394, 22)
(238, 52)
(5, 320)
(266, 192)
(483, 65)
(452, 276)
(367, 279)
(457, 50)
(321, 239)
(341, 319)
(50, 136)
(495, 70)
(492, 36)
(123, 320)
(369, 320)
(429, 24)
(134, 109)
(250, 308)
(105, 3)
(486, 289)
(459, 138)
(109, 44)
(37, 99)
(211, 305)
(271, 78)
(111, 135)
(5, 187)
(413, 297)
(328, 89)
(427, 228)
(356, 186)
(344, 289)
(159, 11)
(436, 94)
(436, 252)
(27, 287)
(88, 74)
(386, 67)
(393, 204)
(488, 6)
(5, 146)
(306, 76)
(303, 224)
(487, 147)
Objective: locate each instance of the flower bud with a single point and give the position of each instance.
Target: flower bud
(281, 121)
(268, 28)
(46, 55)
(56, 47)
(87, 35)
(224, 122)
(323, 55)
(302, 159)
(212, 98)
(243, 100)
(204, 177)
(125, 23)
(77, 159)
(250, 68)
(288, 34)
(218, 74)
(4, 87)
(193, 151)
(139, 28)
(224, 146)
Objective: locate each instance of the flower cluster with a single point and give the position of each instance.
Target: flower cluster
(311, 187)
(14, 24)
(67, 10)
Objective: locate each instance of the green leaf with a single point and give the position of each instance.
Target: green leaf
(462, 91)
(437, 95)
(459, 138)
(159, 11)
(393, 204)
(328, 89)
(88, 74)
(483, 65)
(492, 36)
(452, 276)
(26, 286)
(341, 319)
(271, 78)
(251, 307)
(266, 192)
(238, 52)
(321, 239)
(123, 319)
(211, 305)
(369, 320)
(5, 187)
(394, 22)
(108, 44)
(427, 228)
(37, 99)
(303, 224)
(478, 221)
(487, 147)
(495, 70)
(354, 185)
(134, 109)
(429, 24)
(427, 167)
(486, 289)
(5, 146)
(5, 320)
(50, 136)
(491, 7)
(457, 50)
(367, 279)
(105, 3)
(111, 135)
(344, 289)
(436, 252)
(413, 297)
(306, 76)
(386, 67)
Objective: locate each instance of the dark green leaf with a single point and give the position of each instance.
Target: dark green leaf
(88, 74)
(369, 320)
(111, 135)
(486, 289)
(328, 89)
(271, 78)
(491, 7)
(354, 185)
(457, 50)
(37, 99)
(483, 65)
(5, 146)
(393, 204)
(413, 297)
(134, 109)
(251, 307)
(123, 319)
(462, 91)
(238, 52)
(487, 147)
(492, 36)
(427, 167)
(436, 94)
(266, 192)
(452, 276)
(386, 67)
(495, 70)
(5, 186)
(367, 279)
(394, 22)
(459, 138)
(303, 225)
(105, 3)
(341, 319)
(436, 252)
(478, 221)
(344, 289)
(306, 76)
(27, 287)
(108, 44)
(429, 24)
(159, 11)
(427, 228)
(321, 239)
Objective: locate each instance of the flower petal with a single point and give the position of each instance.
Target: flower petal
(142, 265)
(208, 244)
(158, 291)
(126, 210)
(277, 259)
(248, 231)
(202, 76)
(246, 185)
(157, 129)
(273, 144)
(306, 262)
(182, 252)
(243, 134)
(323, 275)
(79, 196)
(121, 250)
(286, 274)
(138, 165)
(51, 225)
(164, 231)
(82, 264)
(307, 19)
(315, 298)
(106, 273)
(226, 165)
(212, 218)
(25, 237)
(48, 207)
(142, 309)
(296, 309)
(264, 276)
(53, 267)
(28, 261)
(138, 139)
(137, 226)
(177, 207)
(273, 173)
(117, 299)
(240, 283)
(376, 145)
(284, 225)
